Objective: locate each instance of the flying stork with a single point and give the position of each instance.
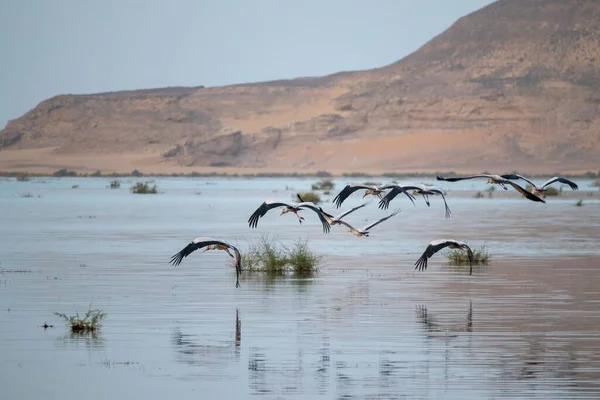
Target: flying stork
(424, 190)
(365, 231)
(490, 179)
(210, 244)
(288, 208)
(370, 190)
(539, 190)
(436, 245)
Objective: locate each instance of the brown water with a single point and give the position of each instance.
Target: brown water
(365, 326)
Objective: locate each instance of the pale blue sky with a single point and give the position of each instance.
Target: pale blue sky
(51, 47)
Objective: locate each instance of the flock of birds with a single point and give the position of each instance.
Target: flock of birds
(386, 193)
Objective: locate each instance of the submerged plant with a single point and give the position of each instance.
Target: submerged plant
(143, 188)
(266, 256)
(301, 259)
(481, 256)
(89, 323)
(323, 184)
(311, 196)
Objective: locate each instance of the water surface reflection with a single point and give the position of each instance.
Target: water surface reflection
(365, 326)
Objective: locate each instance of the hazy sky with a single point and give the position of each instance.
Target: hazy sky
(51, 47)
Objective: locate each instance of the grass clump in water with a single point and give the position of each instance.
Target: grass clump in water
(323, 184)
(116, 184)
(481, 256)
(311, 196)
(89, 323)
(579, 203)
(266, 256)
(301, 259)
(144, 188)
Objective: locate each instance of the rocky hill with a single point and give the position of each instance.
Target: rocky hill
(515, 85)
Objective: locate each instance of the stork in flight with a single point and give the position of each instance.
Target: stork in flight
(539, 190)
(436, 245)
(288, 207)
(526, 193)
(370, 190)
(424, 190)
(498, 179)
(335, 220)
(365, 231)
(209, 243)
(490, 179)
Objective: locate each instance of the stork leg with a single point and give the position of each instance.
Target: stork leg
(300, 219)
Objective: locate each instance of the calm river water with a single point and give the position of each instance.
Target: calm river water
(365, 326)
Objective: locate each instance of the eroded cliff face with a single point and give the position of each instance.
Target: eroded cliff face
(513, 85)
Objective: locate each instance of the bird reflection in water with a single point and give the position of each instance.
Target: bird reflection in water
(191, 352)
(437, 329)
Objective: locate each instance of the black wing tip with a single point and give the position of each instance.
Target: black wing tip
(176, 259)
(421, 264)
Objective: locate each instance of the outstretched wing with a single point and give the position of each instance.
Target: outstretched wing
(347, 225)
(517, 177)
(342, 215)
(431, 249)
(559, 179)
(262, 210)
(347, 191)
(201, 242)
(460, 178)
(526, 193)
(391, 195)
(312, 206)
(400, 188)
(194, 245)
(441, 193)
(238, 263)
(366, 228)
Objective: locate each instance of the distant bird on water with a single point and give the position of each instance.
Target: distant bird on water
(365, 231)
(209, 243)
(288, 207)
(539, 190)
(370, 190)
(437, 245)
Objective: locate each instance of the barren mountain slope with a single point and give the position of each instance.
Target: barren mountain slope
(515, 85)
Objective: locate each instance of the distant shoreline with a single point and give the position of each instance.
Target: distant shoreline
(66, 173)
